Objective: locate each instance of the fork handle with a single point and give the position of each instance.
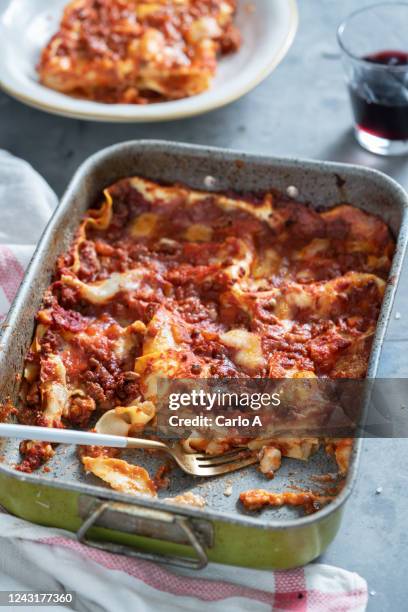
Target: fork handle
(146, 444)
(60, 436)
(71, 436)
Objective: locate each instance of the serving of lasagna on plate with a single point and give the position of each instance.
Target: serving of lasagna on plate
(164, 281)
(138, 51)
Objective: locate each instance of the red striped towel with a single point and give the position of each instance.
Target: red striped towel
(115, 583)
(11, 274)
(39, 558)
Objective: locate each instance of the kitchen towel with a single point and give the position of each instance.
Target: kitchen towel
(43, 559)
(26, 204)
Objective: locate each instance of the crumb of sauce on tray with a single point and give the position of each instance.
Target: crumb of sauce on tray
(161, 478)
(35, 454)
(325, 477)
(228, 490)
(188, 499)
(256, 499)
(7, 410)
(97, 451)
(120, 475)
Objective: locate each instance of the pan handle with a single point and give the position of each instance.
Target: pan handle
(177, 528)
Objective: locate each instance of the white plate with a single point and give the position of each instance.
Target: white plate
(26, 26)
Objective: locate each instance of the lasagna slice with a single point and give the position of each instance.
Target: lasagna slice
(138, 51)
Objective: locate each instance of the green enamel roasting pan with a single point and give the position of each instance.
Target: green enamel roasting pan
(156, 529)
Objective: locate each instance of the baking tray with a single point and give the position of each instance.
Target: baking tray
(156, 529)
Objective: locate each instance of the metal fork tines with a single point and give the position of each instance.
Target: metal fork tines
(213, 465)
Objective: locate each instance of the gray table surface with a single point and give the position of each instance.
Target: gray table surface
(300, 110)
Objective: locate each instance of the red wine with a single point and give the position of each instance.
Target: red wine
(380, 98)
(388, 58)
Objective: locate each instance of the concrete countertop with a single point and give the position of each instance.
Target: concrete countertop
(300, 110)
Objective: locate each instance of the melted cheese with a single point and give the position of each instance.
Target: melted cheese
(54, 392)
(128, 339)
(155, 366)
(299, 298)
(248, 347)
(153, 192)
(268, 265)
(321, 297)
(103, 291)
(198, 232)
(144, 225)
(262, 211)
(316, 246)
(159, 334)
(241, 266)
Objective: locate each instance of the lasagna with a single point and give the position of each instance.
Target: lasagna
(138, 51)
(165, 281)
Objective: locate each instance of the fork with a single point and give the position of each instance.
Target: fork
(195, 464)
